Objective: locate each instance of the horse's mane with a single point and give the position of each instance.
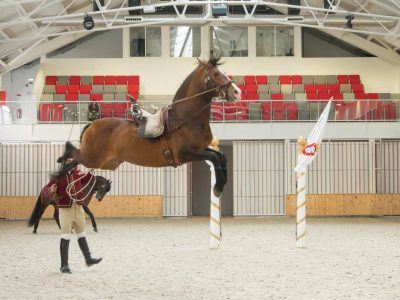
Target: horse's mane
(213, 61)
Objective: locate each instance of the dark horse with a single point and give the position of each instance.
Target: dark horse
(101, 186)
(106, 143)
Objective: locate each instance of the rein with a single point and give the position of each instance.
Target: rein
(72, 184)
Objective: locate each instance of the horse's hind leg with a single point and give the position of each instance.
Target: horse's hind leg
(90, 214)
(38, 219)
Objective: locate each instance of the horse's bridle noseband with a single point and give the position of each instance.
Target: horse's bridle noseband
(219, 88)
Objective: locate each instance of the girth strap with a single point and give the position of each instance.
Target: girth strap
(167, 152)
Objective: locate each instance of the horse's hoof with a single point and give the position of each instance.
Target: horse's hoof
(34, 232)
(217, 193)
(95, 230)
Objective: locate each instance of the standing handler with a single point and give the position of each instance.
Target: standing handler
(71, 214)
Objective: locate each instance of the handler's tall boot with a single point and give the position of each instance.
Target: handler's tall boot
(64, 246)
(90, 261)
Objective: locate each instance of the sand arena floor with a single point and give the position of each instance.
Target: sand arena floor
(346, 258)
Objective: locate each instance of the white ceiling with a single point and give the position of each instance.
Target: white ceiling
(31, 28)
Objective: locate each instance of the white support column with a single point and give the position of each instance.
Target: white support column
(205, 42)
(165, 40)
(126, 42)
(298, 45)
(372, 166)
(215, 213)
(301, 209)
(252, 40)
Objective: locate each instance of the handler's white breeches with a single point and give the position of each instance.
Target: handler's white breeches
(72, 218)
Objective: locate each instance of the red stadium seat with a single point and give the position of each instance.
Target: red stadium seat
(285, 79)
(352, 110)
(291, 111)
(278, 111)
(333, 88)
(324, 96)
(120, 109)
(122, 80)
(73, 89)
(249, 79)
(360, 96)
(96, 97)
(71, 97)
(354, 79)
(312, 96)
(373, 96)
(110, 79)
(74, 79)
(340, 111)
(45, 112)
(230, 111)
(217, 111)
(106, 110)
(261, 79)
(251, 88)
(310, 88)
(133, 79)
(252, 97)
(57, 112)
(296, 79)
(336, 96)
(85, 89)
(357, 88)
(266, 111)
(389, 111)
(51, 80)
(242, 111)
(98, 80)
(277, 97)
(61, 89)
(342, 79)
(322, 87)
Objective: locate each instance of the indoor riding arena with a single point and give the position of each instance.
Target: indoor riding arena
(193, 149)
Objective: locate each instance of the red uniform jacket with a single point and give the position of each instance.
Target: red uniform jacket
(63, 198)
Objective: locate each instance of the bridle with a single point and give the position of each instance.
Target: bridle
(223, 87)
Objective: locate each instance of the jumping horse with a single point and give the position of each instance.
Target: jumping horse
(106, 143)
(98, 184)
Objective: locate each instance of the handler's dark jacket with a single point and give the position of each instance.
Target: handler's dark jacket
(63, 198)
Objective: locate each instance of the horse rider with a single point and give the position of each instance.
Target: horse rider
(71, 213)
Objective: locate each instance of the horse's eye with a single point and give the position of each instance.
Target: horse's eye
(216, 74)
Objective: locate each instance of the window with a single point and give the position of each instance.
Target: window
(229, 41)
(185, 41)
(274, 41)
(145, 42)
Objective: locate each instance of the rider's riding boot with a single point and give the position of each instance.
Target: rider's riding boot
(90, 261)
(64, 245)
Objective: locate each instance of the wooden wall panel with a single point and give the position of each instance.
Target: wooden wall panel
(20, 207)
(347, 205)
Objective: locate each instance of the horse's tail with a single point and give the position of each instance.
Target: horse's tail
(36, 212)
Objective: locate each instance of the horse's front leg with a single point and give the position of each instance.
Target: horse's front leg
(90, 214)
(213, 157)
(223, 162)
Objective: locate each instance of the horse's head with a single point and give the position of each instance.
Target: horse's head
(103, 186)
(215, 78)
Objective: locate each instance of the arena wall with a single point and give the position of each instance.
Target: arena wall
(360, 172)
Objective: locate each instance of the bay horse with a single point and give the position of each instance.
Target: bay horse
(107, 142)
(101, 186)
